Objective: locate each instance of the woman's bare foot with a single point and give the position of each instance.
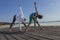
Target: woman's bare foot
(10, 30)
(42, 28)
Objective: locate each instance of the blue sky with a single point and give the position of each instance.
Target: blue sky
(50, 9)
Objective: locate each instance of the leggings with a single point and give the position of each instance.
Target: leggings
(14, 19)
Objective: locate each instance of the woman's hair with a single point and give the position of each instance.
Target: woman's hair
(14, 17)
(24, 19)
(40, 16)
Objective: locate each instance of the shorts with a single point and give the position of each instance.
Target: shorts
(32, 20)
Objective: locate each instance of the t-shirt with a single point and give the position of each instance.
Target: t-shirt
(33, 15)
(20, 17)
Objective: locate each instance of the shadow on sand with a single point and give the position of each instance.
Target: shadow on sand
(7, 32)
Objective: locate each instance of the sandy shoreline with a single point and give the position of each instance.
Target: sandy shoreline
(51, 32)
(17, 25)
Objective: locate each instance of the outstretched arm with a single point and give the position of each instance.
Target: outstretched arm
(35, 8)
(21, 11)
(35, 16)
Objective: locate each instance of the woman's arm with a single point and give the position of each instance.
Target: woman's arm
(35, 8)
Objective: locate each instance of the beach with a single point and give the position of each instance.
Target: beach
(49, 33)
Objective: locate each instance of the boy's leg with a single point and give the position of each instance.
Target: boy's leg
(39, 25)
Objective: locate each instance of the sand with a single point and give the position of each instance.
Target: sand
(49, 33)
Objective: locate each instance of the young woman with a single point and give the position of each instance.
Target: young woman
(33, 17)
(20, 19)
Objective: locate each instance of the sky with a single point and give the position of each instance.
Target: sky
(50, 9)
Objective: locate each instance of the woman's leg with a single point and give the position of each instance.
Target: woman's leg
(14, 19)
(24, 24)
(12, 24)
(30, 21)
(20, 26)
(39, 25)
(34, 25)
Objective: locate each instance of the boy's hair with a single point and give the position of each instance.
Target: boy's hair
(40, 16)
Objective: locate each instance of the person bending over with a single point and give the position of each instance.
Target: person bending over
(33, 18)
(20, 20)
